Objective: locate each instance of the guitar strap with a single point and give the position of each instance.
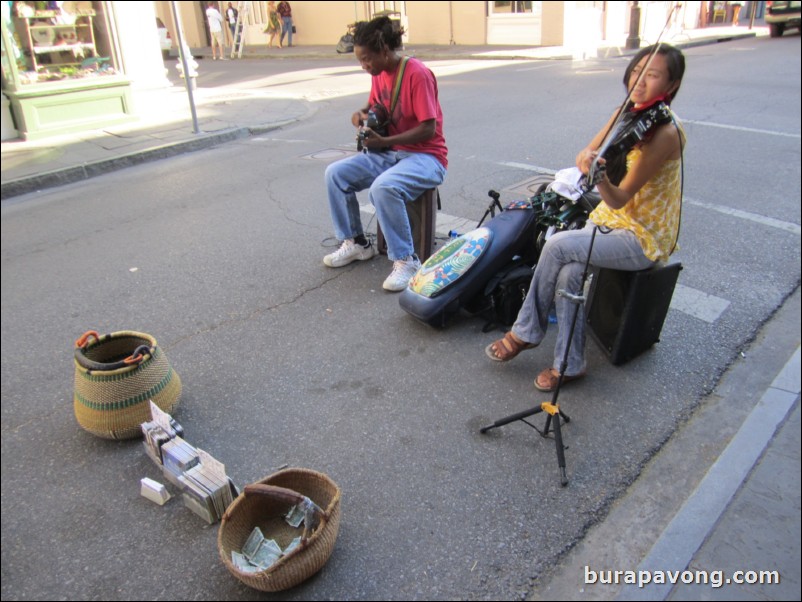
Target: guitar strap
(397, 87)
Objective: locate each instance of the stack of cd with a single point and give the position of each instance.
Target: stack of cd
(157, 434)
(206, 492)
(207, 489)
(178, 456)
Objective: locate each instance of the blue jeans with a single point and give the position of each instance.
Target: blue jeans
(560, 267)
(394, 178)
(286, 29)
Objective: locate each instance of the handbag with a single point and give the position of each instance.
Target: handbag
(294, 30)
(346, 44)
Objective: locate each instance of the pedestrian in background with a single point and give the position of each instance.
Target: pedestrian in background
(273, 24)
(285, 10)
(216, 30)
(736, 12)
(231, 15)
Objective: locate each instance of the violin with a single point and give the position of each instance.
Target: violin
(635, 126)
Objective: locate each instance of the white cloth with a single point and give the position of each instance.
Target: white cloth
(568, 183)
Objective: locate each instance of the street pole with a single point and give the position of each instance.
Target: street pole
(180, 33)
(633, 41)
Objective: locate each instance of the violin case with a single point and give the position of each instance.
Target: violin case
(457, 273)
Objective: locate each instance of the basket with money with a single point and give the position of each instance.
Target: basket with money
(281, 530)
(116, 377)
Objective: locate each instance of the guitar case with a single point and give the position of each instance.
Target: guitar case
(457, 273)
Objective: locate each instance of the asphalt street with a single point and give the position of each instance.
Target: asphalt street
(217, 253)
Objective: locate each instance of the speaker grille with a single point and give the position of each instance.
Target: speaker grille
(626, 310)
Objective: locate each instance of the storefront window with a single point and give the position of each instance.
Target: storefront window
(57, 41)
(500, 8)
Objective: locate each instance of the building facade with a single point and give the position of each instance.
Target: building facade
(462, 23)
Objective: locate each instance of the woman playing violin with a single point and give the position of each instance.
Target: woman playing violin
(638, 217)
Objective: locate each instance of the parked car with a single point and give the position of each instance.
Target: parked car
(782, 15)
(164, 38)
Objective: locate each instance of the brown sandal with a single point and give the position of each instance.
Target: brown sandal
(507, 348)
(547, 380)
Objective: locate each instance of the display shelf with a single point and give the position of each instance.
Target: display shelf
(62, 48)
(56, 45)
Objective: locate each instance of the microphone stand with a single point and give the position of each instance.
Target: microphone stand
(491, 208)
(551, 408)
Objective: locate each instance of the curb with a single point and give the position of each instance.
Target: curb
(709, 41)
(699, 515)
(427, 53)
(79, 173)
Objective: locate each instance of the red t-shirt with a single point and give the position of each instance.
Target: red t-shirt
(417, 103)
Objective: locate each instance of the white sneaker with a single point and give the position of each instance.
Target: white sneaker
(348, 252)
(403, 271)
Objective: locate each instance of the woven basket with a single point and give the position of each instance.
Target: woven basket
(254, 508)
(116, 376)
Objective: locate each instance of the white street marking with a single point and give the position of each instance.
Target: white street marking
(753, 217)
(739, 128)
(698, 304)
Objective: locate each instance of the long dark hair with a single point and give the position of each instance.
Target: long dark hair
(378, 34)
(675, 61)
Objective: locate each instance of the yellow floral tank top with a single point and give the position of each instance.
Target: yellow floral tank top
(653, 214)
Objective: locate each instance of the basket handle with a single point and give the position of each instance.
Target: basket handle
(313, 514)
(137, 355)
(81, 342)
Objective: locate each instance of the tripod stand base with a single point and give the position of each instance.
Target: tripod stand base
(546, 406)
(552, 408)
(554, 413)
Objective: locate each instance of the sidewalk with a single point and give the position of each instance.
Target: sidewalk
(164, 126)
(722, 496)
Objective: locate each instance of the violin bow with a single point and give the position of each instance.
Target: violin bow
(595, 172)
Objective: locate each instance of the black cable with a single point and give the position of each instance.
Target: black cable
(681, 179)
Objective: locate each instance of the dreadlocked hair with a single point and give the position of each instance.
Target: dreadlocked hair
(378, 34)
